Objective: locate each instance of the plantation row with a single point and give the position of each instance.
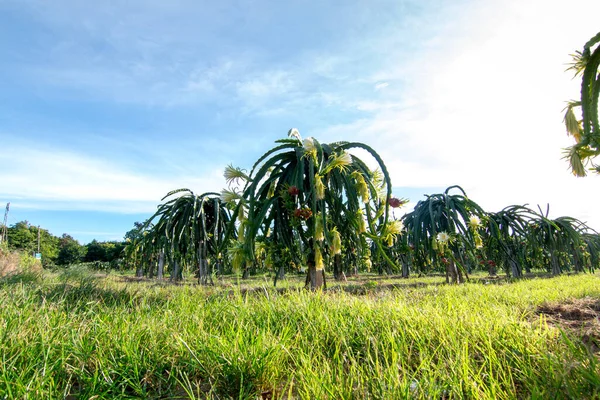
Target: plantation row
(306, 206)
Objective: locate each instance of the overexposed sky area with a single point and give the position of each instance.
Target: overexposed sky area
(108, 106)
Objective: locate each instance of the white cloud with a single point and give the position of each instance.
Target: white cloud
(270, 84)
(381, 85)
(59, 180)
(482, 107)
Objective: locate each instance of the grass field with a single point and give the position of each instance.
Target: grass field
(75, 335)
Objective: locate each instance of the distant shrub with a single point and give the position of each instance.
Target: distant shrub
(9, 262)
(104, 266)
(18, 267)
(29, 263)
(370, 284)
(76, 272)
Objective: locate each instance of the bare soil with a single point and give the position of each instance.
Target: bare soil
(577, 317)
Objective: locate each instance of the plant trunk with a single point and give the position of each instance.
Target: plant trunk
(209, 272)
(405, 265)
(527, 267)
(577, 264)
(453, 274)
(176, 274)
(554, 262)
(151, 266)
(204, 273)
(161, 264)
(338, 271)
(280, 273)
(514, 265)
(315, 278)
(336, 267)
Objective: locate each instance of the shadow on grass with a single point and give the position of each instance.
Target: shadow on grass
(80, 285)
(26, 277)
(85, 292)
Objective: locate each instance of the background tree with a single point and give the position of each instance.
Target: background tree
(70, 251)
(95, 251)
(24, 237)
(136, 232)
(105, 254)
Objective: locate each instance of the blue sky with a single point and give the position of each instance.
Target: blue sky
(106, 106)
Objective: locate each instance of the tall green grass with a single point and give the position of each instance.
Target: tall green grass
(78, 337)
